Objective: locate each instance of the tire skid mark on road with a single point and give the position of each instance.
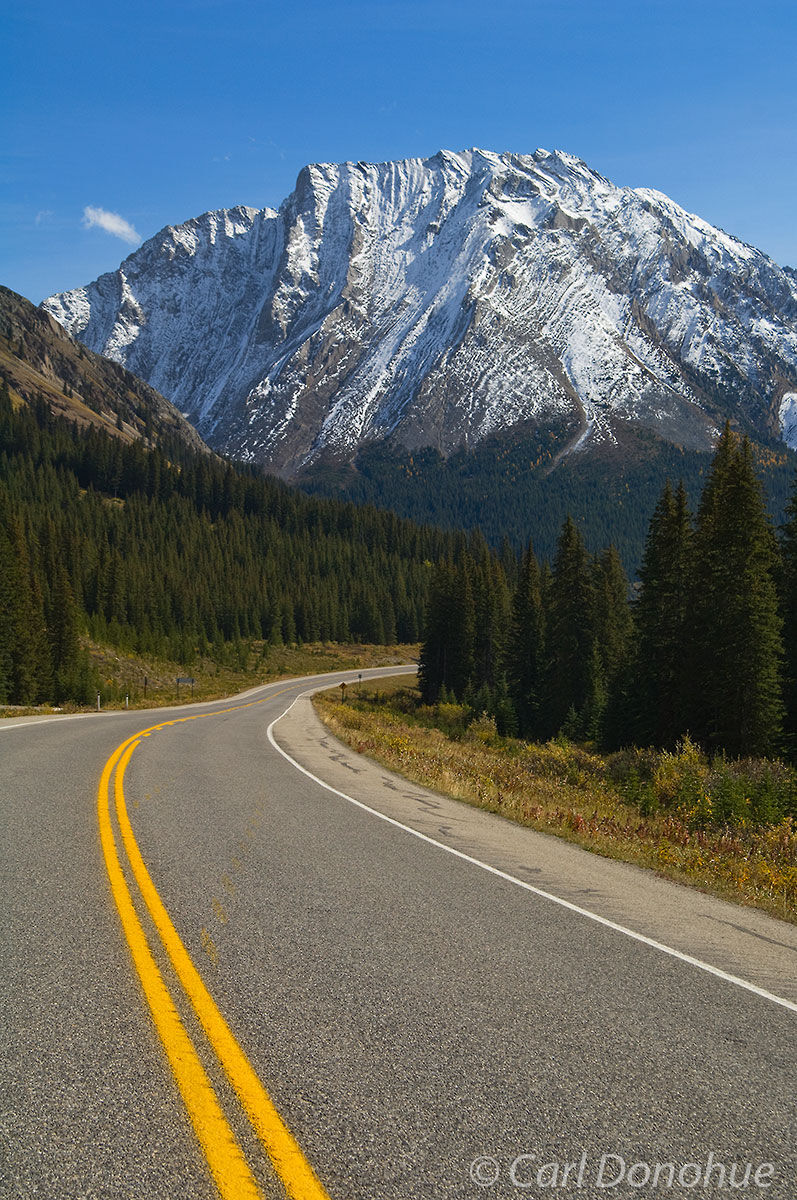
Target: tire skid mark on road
(225, 1158)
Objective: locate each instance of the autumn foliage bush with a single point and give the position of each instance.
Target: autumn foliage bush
(706, 792)
(726, 826)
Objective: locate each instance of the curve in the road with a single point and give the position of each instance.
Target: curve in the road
(689, 959)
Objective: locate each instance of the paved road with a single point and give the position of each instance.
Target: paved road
(408, 1012)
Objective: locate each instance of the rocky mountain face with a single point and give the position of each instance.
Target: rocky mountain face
(38, 358)
(441, 302)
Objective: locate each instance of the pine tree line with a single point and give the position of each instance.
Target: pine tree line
(506, 487)
(179, 556)
(706, 643)
(185, 554)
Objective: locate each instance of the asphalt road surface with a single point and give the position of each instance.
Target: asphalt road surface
(218, 977)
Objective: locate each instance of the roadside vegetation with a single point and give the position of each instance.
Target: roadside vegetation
(655, 723)
(121, 563)
(726, 826)
(184, 560)
(126, 680)
(705, 642)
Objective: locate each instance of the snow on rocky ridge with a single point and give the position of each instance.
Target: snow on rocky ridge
(446, 299)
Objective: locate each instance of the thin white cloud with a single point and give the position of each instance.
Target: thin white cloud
(111, 223)
(44, 216)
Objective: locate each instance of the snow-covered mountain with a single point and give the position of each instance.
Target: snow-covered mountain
(443, 300)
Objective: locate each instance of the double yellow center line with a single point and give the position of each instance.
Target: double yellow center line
(224, 1155)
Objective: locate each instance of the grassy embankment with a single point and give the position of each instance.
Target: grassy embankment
(727, 828)
(122, 674)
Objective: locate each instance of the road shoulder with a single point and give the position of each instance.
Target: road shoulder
(741, 941)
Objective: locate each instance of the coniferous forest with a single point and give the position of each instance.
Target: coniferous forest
(704, 643)
(521, 486)
(175, 553)
(180, 555)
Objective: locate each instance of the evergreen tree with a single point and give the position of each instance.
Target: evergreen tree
(33, 645)
(613, 629)
(62, 627)
(737, 643)
(509, 563)
(788, 589)
(9, 615)
(446, 659)
(659, 705)
(492, 609)
(569, 624)
(612, 618)
(590, 721)
(526, 647)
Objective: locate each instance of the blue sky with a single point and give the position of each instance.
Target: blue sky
(148, 114)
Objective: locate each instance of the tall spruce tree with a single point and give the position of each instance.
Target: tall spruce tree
(492, 607)
(10, 613)
(788, 588)
(34, 642)
(446, 659)
(613, 637)
(736, 640)
(590, 721)
(569, 622)
(613, 622)
(526, 647)
(24, 660)
(659, 707)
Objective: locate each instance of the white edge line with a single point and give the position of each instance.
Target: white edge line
(23, 723)
(528, 887)
(6, 725)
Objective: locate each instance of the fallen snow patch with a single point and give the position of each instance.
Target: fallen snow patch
(788, 419)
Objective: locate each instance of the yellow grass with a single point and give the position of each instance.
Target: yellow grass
(562, 789)
(122, 674)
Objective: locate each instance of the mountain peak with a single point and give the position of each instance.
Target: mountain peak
(439, 301)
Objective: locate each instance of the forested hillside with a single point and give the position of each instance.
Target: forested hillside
(706, 644)
(38, 358)
(512, 486)
(180, 556)
(187, 555)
